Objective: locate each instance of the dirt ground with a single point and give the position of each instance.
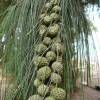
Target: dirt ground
(88, 94)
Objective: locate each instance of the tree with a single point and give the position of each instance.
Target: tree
(21, 25)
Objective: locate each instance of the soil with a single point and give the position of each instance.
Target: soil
(87, 94)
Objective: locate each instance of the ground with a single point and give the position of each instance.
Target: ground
(89, 94)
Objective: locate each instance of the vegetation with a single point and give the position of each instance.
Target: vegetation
(21, 24)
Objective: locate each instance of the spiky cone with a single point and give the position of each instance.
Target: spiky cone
(54, 17)
(42, 30)
(47, 7)
(35, 97)
(54, 2)
(43, 90)
(56, 9)
(58, 48)
(40, 49)
(47, 41)
(57, 67)
(55, 78)
(37, 82)
(51, 56)
(43, 73)
(47, 19)
(40, 61)
(49, 98)
(58, 93)
(53, 30)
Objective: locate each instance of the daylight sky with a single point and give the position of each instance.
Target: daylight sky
(93, 13)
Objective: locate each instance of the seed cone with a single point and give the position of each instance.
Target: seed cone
(47, 6)
(53, 30)
(54, 2)
(56, 9)
(43, 90)
(42, 30)
(58, 93)
(57, 67)
(43, 73)
(58, 48)
(49, 98)
(54, 17)
(55, 78)
(35, 97)
(40, 61)
(51, 56)
(47, 19)
(37, 82)
(40, 49)
(47, 41)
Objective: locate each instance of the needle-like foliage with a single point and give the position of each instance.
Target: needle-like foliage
(21, 26)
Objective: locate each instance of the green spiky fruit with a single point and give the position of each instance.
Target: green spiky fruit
(53, 30)
(57, 67)
(51, 56)
(47, 19)
(56, 8)
(47, 41)
(54, 17)
(40, 49)
(37, 82)
(58, 93)
(43, 73)
(49, 98)
(54, 2)
(58, 48)
(55, 78)
(40, 61)
(35, 97)
(43, 90)
(48, 6)
(42, 30)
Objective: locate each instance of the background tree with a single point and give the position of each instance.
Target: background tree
(20, 25)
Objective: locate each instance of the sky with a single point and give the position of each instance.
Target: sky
(93, 14)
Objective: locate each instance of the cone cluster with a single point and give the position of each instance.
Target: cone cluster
(48, 52)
